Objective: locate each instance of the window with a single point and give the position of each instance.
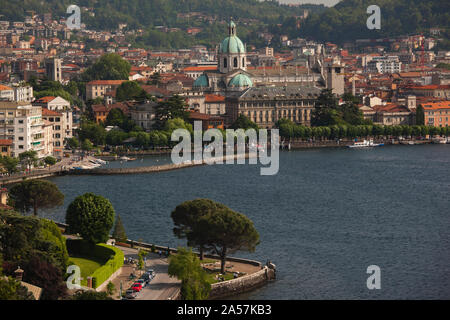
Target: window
(20, 138)
(20, 121)
(225, 63)
(235, 62)
(243, 62)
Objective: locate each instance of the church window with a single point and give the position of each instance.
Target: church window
(235, 62)
(225, 63)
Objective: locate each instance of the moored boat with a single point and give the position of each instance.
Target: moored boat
(366, 144)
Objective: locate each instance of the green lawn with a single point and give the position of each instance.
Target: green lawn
(212, 276)
(87, 266)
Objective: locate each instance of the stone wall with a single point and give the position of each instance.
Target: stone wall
(243, 284)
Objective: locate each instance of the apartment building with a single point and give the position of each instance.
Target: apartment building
(384, 64)
(98, 88)
(6, 93)
(22, 123)
(57, 111)
(437, 113)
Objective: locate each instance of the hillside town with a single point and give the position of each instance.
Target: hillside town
(391, 77)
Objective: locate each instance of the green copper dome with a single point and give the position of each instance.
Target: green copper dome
(241, 81)
(201, 82)
(232, 44)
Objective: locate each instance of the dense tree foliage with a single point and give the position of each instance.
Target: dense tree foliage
(186, 217)
(214, 227)
(91, 295)
(110, 66)
(185, 265)
(174, 107)
(35, 194)
(119, 231)
(347, 20)
(9, 164)
(131, 90)
(92, 216)
(243, 122)
(328, 112)
(37, 246)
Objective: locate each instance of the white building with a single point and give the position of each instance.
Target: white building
(385, 64)
(6, 93)
(22, 123)
(23, 93)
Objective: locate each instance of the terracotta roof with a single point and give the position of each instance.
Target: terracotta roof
(50, 113)
(214, 98)
(437, 105)
(106, 82)
(4, 88)
(200, 68)
(45, 99)
(390, 107)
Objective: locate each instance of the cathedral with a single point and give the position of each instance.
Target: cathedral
(232, 72)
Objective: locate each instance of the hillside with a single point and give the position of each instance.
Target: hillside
(347, 20)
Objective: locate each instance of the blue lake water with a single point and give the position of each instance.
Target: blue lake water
(326, 217)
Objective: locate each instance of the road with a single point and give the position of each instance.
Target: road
(162, 286)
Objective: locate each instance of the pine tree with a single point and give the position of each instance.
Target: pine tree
(119, 231)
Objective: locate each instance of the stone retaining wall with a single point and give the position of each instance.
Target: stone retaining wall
(243, 284)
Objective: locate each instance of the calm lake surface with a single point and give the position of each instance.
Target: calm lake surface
(326, 217)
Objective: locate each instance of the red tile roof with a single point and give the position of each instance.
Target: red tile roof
(214, 98)
(50, 113)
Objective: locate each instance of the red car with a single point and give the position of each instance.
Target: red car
(137, 287)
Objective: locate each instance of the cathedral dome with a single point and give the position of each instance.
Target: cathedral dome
(241, 81)
(201, 82)
(232, 44)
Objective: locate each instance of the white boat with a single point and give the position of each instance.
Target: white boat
(100, 161)
(439, 140)
(125, 159)
(366, 144)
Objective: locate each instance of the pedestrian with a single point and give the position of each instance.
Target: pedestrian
(160, 253)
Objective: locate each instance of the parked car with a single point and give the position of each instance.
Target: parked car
(137, 287)
(151, 272)
(130, 294)
(146, 276)
(143, 282)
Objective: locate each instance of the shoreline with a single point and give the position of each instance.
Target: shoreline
(295, 146)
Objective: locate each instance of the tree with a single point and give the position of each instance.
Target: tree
(92, 216)
(110, 288)
(177, 123)
(243, 122)
(115, 117)
(227, 231)
(420, 115)
(174, 107)
(11, 289)
(185, 265)
(35, 194)
(45, 275)
(29, 158)
(87, 145)
(92, 131)
(9, 163)
(186, 217)
(73, 143)
(119, 231)
(91, 295)
(110, 66)
(131, 90)
(50, 161)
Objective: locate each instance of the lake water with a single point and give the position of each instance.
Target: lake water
(326, 217)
